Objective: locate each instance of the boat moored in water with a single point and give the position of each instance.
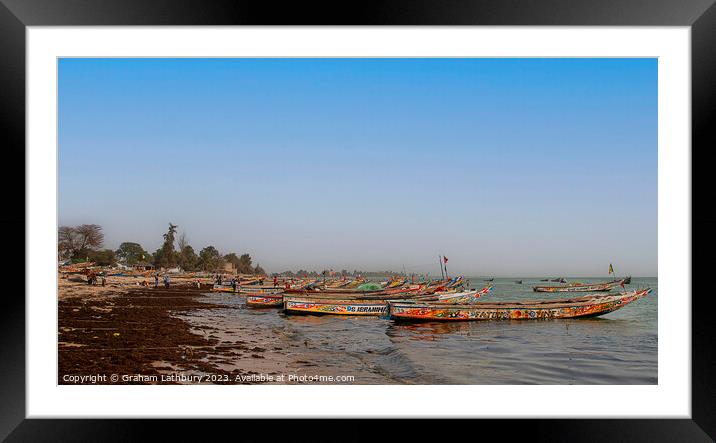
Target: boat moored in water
(264, 300)
(579, 287)
(586, 306)
(335, 305)
(370, 304)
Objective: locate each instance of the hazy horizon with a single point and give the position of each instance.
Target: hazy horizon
(509, 167)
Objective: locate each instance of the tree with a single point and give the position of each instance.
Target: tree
(233, 259)
(209, 258)
(131, 253)
(188, 259)
(78, 241)
(245, 264)
(168, 257)
(89, 237)
(182, 242)
(66, 238)
(103, 257)
(259, 270)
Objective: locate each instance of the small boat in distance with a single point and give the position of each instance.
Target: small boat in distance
(578, 287)
(581, 307)
(519, 282)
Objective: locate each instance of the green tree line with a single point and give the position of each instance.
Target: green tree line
(85, 242)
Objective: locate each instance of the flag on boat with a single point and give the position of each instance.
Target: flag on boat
(445, 258)
(611, 270)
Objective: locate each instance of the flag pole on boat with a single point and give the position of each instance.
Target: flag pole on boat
(445, 260)
(440, 263)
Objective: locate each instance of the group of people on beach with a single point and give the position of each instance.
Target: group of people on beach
(234, 281)
(92, 278)
(156, 281)
(166, 280)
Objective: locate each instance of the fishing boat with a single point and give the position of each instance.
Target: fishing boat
(519, 282)
(223, 288)
(578, 287)
(335, 305)
(264, 300)
(372, 304)
(259, 289)
(625, 280)
(581, 307)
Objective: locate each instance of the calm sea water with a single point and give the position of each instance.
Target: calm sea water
(618, 348)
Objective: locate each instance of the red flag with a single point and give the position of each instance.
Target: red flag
(621, 283)
(445, 258)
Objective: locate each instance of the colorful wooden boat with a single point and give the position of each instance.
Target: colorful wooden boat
(578, 287)
(587, 306)
(262, 300)
(335, 306)
(223, 288)
(370, 304)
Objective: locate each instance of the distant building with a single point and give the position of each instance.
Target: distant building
(230, 267)
(144, 266)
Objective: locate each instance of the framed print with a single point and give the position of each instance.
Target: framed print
(238, 212)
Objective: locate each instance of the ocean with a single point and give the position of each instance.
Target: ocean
(618, 348)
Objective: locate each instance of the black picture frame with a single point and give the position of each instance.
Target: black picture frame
(700, 15)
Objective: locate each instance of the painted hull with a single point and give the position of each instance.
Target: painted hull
(588, 306)
(601, 287)
(335, 306)
(222, 289)
(264, 300)
(360, 304)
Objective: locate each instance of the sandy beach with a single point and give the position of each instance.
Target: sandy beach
(150, 335)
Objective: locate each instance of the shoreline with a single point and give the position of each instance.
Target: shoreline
(179, 335)
(134, 332)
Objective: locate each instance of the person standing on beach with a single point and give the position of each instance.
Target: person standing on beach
(233, 283)
(166, 281)
(156, 280)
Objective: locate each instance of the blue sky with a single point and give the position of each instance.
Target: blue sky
(508, 166)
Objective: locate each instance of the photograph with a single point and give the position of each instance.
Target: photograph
(357, 221)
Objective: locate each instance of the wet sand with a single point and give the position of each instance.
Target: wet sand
(129, 330)
(151, 335)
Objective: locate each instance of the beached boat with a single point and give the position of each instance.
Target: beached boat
(259, 289)
(223, 288)
(335, 306)
(586, 306)
(264, 300)
(578, 287)
(372, 304)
